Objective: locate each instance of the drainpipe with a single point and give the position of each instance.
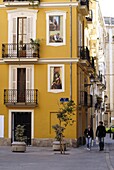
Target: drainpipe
(70, 50)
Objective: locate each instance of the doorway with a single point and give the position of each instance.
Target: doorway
(21, 30)
(22, 118)
(21, 84)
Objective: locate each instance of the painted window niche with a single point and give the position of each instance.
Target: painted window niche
(56, 28)
(56, 78)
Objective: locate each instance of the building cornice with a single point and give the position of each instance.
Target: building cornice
(40, 60)
(60, 60)
(58, 4)
(41, 5)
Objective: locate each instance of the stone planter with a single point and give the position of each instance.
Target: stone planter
(56, 146)
(18, 147)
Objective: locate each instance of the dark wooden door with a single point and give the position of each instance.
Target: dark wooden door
(22, 118)
(21, 84)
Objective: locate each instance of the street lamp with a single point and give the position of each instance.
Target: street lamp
(92, 78)
(105, 98)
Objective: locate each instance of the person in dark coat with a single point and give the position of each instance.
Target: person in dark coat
(88, 133)
(101, 133)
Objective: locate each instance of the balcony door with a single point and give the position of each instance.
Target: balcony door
(20, 36)
(21, 27)
(21, 84)
(22, 30)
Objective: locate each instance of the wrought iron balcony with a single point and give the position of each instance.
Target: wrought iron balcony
(91, 67)
(83, 53)
(83, 98)
(101, 81)
(92, 63)
(14, 97)
(97, 106)
(24, 50)
(86, 99)
(85, 2)
(85, 60)
(89, 100)
(89, 18)
(84, 7)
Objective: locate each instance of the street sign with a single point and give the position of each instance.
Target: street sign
(64, 99)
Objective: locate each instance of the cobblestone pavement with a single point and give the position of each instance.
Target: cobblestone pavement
(44, 158)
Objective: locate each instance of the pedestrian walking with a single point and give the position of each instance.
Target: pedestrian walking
(88, 133)
(101, 133)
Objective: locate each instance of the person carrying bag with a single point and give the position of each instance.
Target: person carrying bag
(88, 133)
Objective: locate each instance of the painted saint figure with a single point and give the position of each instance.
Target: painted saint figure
(56, 84)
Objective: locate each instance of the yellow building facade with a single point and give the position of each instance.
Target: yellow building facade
(34, 77)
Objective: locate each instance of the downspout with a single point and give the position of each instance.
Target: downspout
(71, 50)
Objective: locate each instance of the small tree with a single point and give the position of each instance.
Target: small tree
(19, 133)
(65, 117)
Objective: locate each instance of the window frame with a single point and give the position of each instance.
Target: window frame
(14, 14)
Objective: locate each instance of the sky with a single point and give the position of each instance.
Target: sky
(107, 7)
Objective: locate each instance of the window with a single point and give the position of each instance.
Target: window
(21, 80)
(21, 25)
(56, 28)
(112, 21)
(80, 29)
(107, 20)
(56, 78)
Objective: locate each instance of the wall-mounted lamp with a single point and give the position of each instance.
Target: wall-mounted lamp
(92, 80)
(105, 98)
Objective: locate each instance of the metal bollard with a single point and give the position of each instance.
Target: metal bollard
(113, 136)
(110, 132)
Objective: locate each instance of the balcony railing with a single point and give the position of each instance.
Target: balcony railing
(85, 59)
(89, 18)
(83, 53)
(84, 7)
(89, 100)
(24, 50)
(83, 98)
(86, 99)
(101, 80)
(92, 62)
(85, 2)
(15, 97)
